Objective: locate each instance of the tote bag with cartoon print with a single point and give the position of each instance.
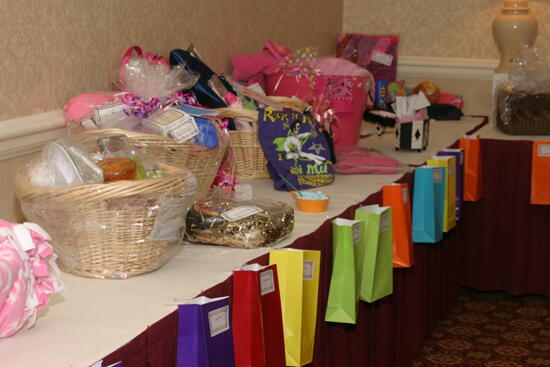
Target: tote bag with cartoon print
(297, 151)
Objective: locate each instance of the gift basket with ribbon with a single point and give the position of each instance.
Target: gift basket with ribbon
(156, 116)
(111, 211)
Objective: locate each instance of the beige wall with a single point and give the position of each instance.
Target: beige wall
(54, 49)
(437, 28)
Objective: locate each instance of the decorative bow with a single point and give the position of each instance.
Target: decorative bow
(322, 111)
(141, 108)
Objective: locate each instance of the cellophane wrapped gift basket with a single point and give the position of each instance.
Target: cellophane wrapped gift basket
(523, 102)
(149, 111)
(110, 213)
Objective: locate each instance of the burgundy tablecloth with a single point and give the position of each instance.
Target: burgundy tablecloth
(503, 243)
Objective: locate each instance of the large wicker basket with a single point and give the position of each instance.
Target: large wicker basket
(105, 230)
(203, 162)
(249, 156)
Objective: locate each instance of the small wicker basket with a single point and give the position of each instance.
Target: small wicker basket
(250, 158)
(203, 162)
(105, 230)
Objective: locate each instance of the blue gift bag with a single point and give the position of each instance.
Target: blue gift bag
(428, 204)
(204, 333)
(297, 151)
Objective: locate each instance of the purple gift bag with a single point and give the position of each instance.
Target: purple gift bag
(204, 333)
(459, 159)
(297, 151)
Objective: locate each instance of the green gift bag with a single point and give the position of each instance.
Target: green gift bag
(343, 294)
(374, 252)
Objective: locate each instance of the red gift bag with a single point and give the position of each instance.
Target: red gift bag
(257, 317)
(473, 183)
(397, 196)
(540, 173)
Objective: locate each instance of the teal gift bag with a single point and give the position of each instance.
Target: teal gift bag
(428, 204)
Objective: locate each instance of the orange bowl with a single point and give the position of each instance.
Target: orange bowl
(310, 205)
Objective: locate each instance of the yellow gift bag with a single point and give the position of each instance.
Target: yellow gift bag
(449, 162)
(298, 272)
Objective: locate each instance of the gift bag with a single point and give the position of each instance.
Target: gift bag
(377, 53)
(397, 196)
(449, 215)
(204, 333)
(459, 171)
(343, 294)
(297, 152)
(473, 170)
(374, 253)
(298, 272)
(257, 319)
(428, 204)
(540, 173)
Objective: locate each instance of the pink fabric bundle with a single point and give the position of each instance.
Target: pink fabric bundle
(28, 275)
(354, 160)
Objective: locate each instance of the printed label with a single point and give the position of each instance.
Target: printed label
(191, 183)
(451, 170)
(218, 320)
(384, 222)
(438, 175)
(461, 158)
(243, 192)
(240, 212)
(356, 229)
(267, 285)
(382, 58)
(168, 221)
(183, 129)
(544, 150)
(405, 195)
(89, 124)
(109, 113)
(308, 269)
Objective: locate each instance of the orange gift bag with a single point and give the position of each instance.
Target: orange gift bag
(540, 173)
(397, 196)
(473, 177)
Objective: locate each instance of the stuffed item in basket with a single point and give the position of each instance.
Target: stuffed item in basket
(28, 275)
(246, 224)
(296, 150)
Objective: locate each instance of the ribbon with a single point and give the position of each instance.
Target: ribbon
(322, 112)
(300, 64)
(141, 108)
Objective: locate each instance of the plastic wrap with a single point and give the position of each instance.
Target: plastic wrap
(245, 224)
(523, 102)
(111, 230)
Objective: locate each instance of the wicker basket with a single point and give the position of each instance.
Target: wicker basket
(201, 161)
(523, 113)
(103, 230)
(250, 158)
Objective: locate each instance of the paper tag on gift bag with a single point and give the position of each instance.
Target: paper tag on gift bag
(218, 320)
(382, 58)
(240, 212)
(544, 150)
(438, 175)
(356, 229)
(309, 266)
(384, 223)
(405, 195)
(267, 285)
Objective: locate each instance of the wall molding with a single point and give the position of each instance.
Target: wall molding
(28, 134)
(446, 68)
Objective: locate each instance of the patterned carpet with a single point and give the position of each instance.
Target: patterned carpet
(491, 329)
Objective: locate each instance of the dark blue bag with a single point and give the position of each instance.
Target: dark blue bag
(296, 150)
(203, 88)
